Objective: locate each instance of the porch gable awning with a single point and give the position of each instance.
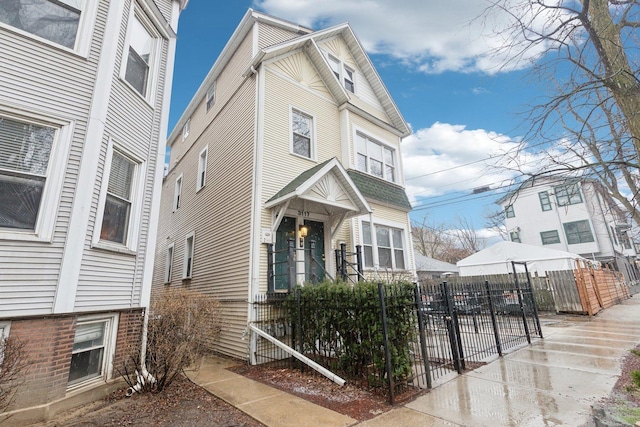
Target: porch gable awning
(327, 184)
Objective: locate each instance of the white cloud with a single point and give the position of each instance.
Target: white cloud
(432, 36)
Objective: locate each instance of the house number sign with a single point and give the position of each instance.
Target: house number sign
(303, 213)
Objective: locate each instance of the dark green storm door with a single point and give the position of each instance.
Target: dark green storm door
(314, 259)
(286, 231)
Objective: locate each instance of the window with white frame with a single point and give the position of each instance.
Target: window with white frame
(32, 156)
(92, 350)
(169, 264)
(202, 168)
(185, 129)
(344, 74)
(386, 246)
(568, 194)
(187, 267)
(550, 237)
(375, 158)
(177, 193)
(509, 212)
(119, 201)
(302, 142)
(211, 95)
(578, 232)
(545, 202)
(141, 55)
(57, 21)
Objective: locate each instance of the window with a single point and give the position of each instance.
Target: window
(202, 168)
(119, 199)
(578, 232)
(141, 56)
(169, 264)
(301, 134)
(568, 194)
(185, 129)
(614, 235)
(545, 202)
(177, 193)
(515, 236)
(92, 350)
(624, 239)
(57, 21)
(375, 158)
(388, 244)
(509, 212)
(550, 237)
(211, 95)
(344, 74)
(187, 269)
(25, 151)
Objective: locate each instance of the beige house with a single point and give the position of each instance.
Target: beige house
(288, 151)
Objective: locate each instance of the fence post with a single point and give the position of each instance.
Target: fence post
(453, 342)
(496, 333)
(291, 263)
(521, 302)
(312, 267)
(343, 261)
(271, 278)
(299, 304)
(338, 263)
(533, 302)
(385, 336)
(423, 345)
(359, 262)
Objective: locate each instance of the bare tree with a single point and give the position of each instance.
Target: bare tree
(494, 220)
(585, 52)
(446, 242)
(430, 239)
(468, 238)
(13, 364)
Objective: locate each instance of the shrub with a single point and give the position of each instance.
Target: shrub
(13, 363)
(180, 323)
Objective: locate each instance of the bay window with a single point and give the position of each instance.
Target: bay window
(375, 158)
(386, 247)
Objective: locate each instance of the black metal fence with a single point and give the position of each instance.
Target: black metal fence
(409, 343)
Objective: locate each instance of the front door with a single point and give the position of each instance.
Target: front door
(285, 232)
(314, 258)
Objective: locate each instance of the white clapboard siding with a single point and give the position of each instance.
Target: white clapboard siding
(269, 35)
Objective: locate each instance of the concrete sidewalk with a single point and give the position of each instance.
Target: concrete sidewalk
(552, 382)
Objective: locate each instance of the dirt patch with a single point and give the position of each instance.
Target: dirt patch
(182, 404)
(349, 400)
(622, 407)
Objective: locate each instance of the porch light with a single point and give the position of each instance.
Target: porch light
(302, 232)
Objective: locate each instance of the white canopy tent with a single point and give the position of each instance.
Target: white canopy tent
(496, 259)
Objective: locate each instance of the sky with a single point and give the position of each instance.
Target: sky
(437, 59)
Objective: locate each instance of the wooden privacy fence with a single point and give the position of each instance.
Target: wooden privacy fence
(599, 288)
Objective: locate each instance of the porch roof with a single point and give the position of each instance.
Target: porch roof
(380, 190)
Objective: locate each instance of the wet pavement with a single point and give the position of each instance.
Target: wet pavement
(552, 382)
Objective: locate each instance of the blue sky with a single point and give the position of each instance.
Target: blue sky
(434, 58)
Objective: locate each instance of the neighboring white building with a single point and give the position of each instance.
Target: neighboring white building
(84, 100)
(576, 216)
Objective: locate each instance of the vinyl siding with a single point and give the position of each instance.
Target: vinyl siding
(220, 213)
(269, 35)
(37, 77)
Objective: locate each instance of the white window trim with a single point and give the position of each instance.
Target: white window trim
(185, 255)
(313, 145)
(380, 140)
(137, 194)
(342, 66)
(111, 335)
(83, 36)
(211, 96)
(169, 267)
(200, 183)
(185, 129)
(154, 56)
(177, 192)
(374, 244)
(47, 215)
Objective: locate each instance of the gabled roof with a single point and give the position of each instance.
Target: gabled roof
(309, 43)
(304, 185)
(380, 190)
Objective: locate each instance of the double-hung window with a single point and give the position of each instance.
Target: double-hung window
(32, 155)
(344, 74)
(386, 246)
(92, 350)
(568, 194)
(62, 22)
(185, 129)
(168, 271)
(187, 266)
(211, 95)
(545, 202)
(177, 193)
(578, 232)
(550, 237)
(509, 212)
(202, 168)
(302, 142)
(118, 225)
(375, 158)
(140, 57)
